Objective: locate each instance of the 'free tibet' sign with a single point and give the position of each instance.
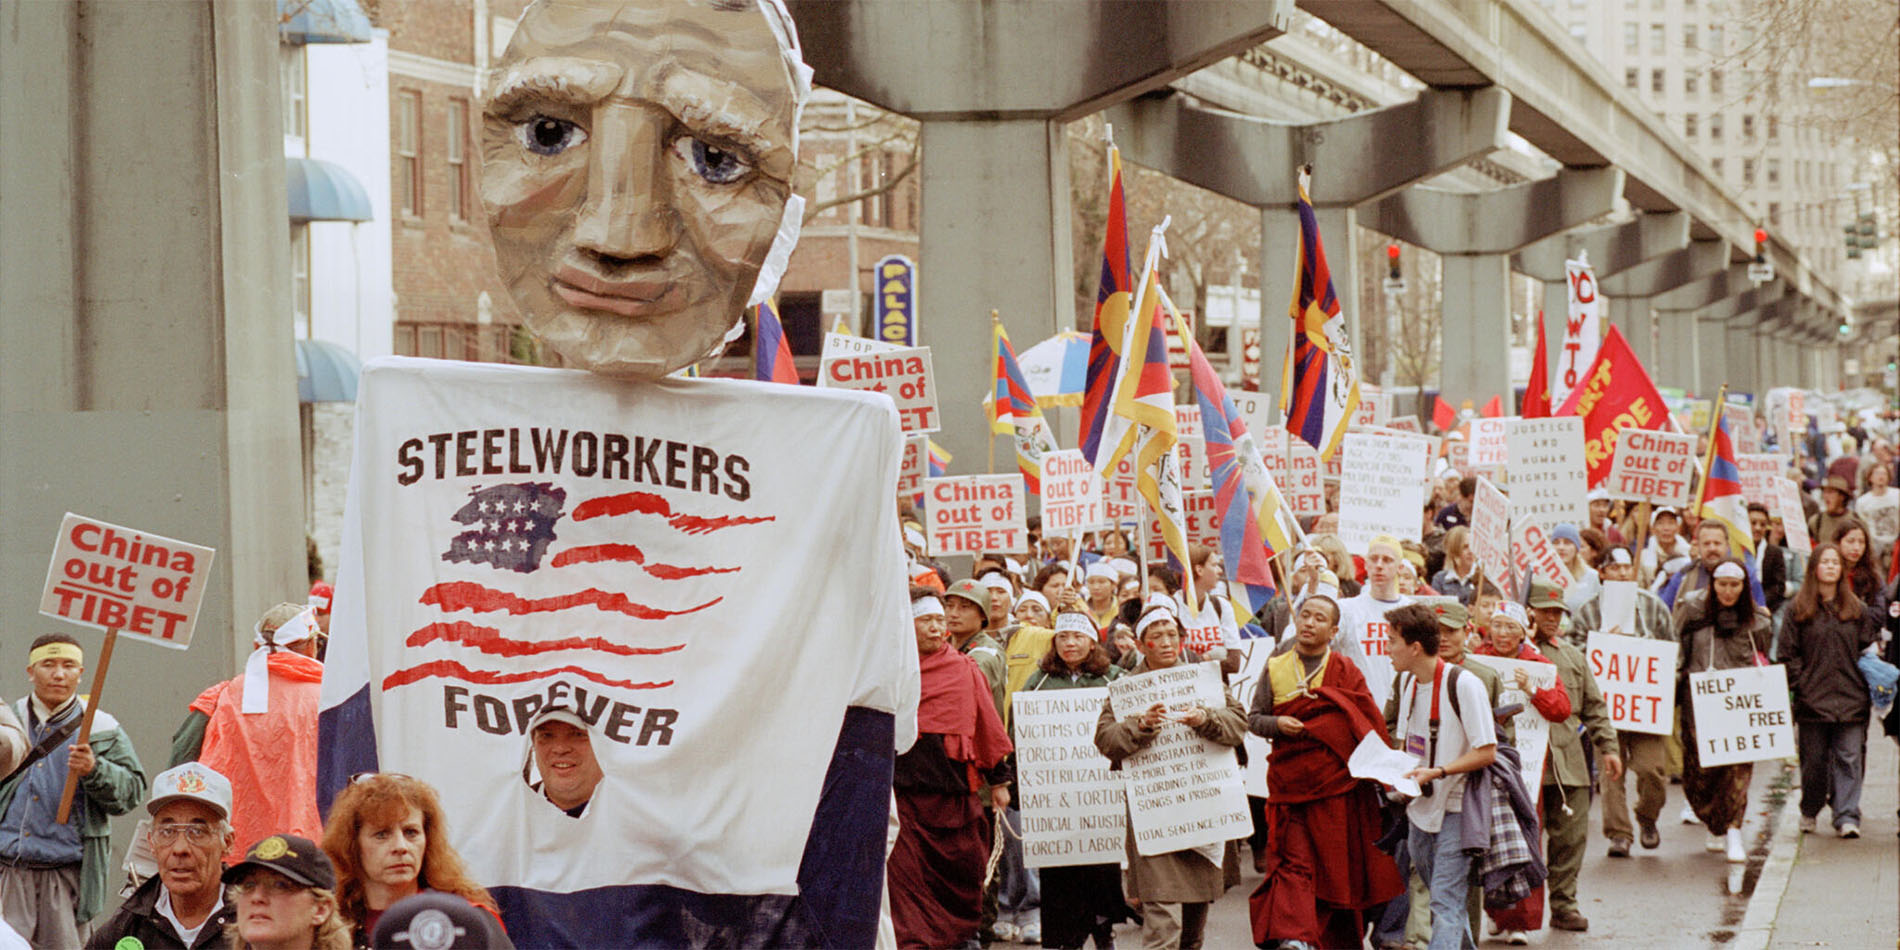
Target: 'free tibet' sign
(108, 576)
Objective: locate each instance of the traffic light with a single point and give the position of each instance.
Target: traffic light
(1862, 235)
(1761, 245)
(1392, 261)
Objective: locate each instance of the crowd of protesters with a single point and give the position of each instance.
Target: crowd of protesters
(1343, 864)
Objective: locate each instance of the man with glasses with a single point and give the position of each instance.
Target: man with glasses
(184, 906)
(53, 873)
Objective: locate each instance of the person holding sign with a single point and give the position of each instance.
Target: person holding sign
(1449, 746)
(1174, 888)
(1821, 641)
(1323, 866)
(936, 868)
(1645, 755)
(1719, 629)
(53, 874)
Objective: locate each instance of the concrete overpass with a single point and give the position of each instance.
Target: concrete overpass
(991, 80)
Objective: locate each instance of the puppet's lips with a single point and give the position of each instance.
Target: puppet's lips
(632, 298)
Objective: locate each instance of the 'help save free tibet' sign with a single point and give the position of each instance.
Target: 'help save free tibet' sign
(1071, 802)
(1742, 715)
(902, 374)
(972, 514)
(108, 576)
(1652, 466)
(1184, 791)
(1638, 679)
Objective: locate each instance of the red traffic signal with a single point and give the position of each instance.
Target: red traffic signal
(1392, 252)
(1761, 236)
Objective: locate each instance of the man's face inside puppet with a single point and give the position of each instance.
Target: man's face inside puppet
(636, 161)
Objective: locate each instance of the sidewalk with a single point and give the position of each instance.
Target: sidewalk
(1839, 893)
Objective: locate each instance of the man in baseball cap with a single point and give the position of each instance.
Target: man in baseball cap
(564, 755)
(184, 905)
(966, 609)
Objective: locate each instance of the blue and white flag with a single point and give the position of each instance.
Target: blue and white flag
(652, 555)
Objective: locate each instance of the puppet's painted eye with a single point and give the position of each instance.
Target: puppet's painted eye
(544, 135)
(716, 164)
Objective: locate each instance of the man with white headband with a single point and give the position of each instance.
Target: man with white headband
(1362, 623)
(260, 730)
(53, 874)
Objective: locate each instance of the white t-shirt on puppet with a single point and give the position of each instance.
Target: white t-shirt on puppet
(1455, 738)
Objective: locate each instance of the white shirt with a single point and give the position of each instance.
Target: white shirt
(1362, 625)
(185, 934)
(1210, 631)
(1455, 738)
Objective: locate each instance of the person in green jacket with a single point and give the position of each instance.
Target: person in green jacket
(1566, 798)
(53, 874)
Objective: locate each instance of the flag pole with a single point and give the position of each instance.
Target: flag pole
(989, 430)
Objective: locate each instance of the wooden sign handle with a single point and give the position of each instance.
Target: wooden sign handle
(85, 724)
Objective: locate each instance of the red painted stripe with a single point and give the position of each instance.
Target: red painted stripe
(631, 502)
(694, 524)
(595, 553)
(449, 669)
(490, 641)
(467, 595)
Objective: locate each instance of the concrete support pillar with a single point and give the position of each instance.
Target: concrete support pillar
(144, 274)
(1674, 364)
(1631, 315)
(1742, 357)
(1476, 234)
(1610, 250)
(1355, 160)
(1728, 328)
(993, 92)
(1712, 369)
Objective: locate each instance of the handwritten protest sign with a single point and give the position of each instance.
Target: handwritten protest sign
(1383, 488)
(1191, 444)
(1533, 730)
(1744, 431)
(1535, 557)
(1794, 519)
(902, 374)
(1742, 715)
(1071, 493)
(1547, 483)
(1651, 466)
(1295, 467)
(1490, 442)
(1184, 791)
(1491, 533)
(1638, 679)
(971, 514)
(1760, 470)
(914, 465)
(1071, 802)
(112, 577)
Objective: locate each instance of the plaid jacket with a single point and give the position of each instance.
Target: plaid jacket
(1512, 866)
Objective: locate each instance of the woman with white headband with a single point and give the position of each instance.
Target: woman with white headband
(1720, 630)
(1082, 901)
(260, 730)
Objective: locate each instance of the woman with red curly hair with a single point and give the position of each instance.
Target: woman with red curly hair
(389, 840)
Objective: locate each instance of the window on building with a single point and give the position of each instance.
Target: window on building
(1632, 77)
(1748, 127)
(1748, 171)
(1774, 171)
(1658, 39)
(1715, 164)
(1629, 37)
(1689, 125)
(1688, 36)
(1715, 82)
(1774, 128)
(291, 70)
(1689, 81)
(1717, 36)
(458, 159)
(1658, 80)
(408, 148)
(300, 279)
(1580, 33)
(873, 210)
(1715, 126)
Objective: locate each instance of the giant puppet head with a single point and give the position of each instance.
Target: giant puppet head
(637, 164)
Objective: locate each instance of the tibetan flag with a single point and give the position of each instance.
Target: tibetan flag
(1013, 410)
(1112, 303)
(1537, 392)
(1721, 500)
(1318, 386)
(1255, 521)
(771, 352)
(938, 463)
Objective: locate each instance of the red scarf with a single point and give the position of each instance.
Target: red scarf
(956, 704)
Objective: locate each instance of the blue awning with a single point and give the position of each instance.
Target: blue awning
(324, 191)
(322, 21)
(326, 372)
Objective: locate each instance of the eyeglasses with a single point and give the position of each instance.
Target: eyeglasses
(196, 833)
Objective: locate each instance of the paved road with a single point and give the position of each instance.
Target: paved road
(1681, 896)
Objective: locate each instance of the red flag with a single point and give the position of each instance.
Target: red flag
(1443, 415)
(1537, 393)
(1615, 394)
(1493, 409)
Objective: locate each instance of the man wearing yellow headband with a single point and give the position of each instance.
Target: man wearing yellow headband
(53, 875)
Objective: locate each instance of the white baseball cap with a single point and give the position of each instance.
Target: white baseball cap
(192, 781)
